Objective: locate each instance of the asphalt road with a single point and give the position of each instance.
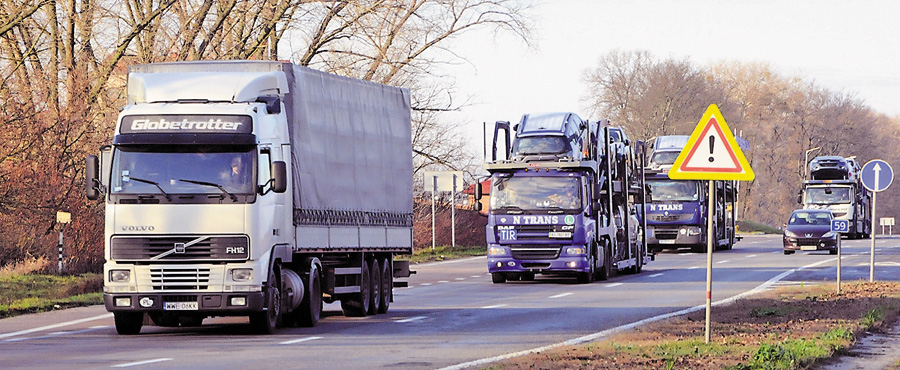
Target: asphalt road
(451, 316)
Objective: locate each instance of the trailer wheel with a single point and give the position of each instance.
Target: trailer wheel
(387, 285)
(358, 304)
(374, 287)
(128, 323)
(605, 270)
(267, 321)
(310, 309)
(498, 277)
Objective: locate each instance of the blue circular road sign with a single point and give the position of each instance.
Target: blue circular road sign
(877, 175)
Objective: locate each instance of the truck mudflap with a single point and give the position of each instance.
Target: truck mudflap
(223, 304)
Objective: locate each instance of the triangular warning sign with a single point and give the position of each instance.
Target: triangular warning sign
(711, 153)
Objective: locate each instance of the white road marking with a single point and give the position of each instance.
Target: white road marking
(656, 275)
(560, 295)
(476, 276)
(612, 285)
(460, 279)
(595, 336)
(693, 267)
(751, 256)
(425, 284)
(725, 261)
(443, 281)
(54, 326)
(411, 319)
(495, 306)
(295, 341)
(130, 364)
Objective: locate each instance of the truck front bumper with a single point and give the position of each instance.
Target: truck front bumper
(561, 264)
(188, 303)
(674, 237)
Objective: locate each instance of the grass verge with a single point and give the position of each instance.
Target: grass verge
(30, 293)
(441, 253)
(788, 328)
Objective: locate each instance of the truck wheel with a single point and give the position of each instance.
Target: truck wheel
(307, 315)
(267, 321)
(498, 277)
(374, 287)
(387, 285)
(605, 269)
(128, 323)
(358, 304)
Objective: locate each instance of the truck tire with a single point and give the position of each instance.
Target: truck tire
(603, 273)
(387, 285)
(267, 322)
(307, 315)
(128, 323)
(498, 277)
(358, 303)
(374, 287)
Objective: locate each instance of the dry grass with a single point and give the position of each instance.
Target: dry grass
(28, 266)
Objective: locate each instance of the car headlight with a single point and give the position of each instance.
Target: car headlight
(119, 276)
(829, 234)
(789, 234)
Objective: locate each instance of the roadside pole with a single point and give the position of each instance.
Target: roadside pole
(709, 254)
(62, 218)
(872, 252)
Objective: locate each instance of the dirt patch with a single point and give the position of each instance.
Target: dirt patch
(788, 328)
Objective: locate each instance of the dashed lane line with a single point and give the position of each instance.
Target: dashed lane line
(139, 363)
(657, 275)
(300, 340)
(495, 306)
(410, 319)
(54, 326)
(560, 295)
(612, 285)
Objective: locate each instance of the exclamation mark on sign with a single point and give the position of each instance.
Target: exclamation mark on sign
(712, 144)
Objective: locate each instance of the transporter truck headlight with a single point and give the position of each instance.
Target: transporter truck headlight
(497, 251)
(119, 276)
(575, 251)
(241, 274)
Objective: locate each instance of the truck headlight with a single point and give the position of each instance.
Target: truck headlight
(241, 274)
(119, 276)
(575, 251)
(497, 251)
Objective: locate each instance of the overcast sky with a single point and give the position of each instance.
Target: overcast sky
(846, 46)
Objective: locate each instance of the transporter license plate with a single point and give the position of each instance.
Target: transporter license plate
(667, 241)
(808, 247)
(181, 306)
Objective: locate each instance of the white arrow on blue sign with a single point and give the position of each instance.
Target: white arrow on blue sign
(877, 175)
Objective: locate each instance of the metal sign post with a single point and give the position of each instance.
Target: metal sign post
(876, 175)
(443, 181)
(839, 227)
(709, 255)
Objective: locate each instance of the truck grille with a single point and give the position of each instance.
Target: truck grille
(533, 232)
(126, 248)
(543, 252)
(179, 278)
(666, 234)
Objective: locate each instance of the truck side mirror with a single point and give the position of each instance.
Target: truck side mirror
(279, 175)
(91, 173)
(799, 199)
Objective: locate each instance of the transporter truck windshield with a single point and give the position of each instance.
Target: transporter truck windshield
(253, 188)
(564, 202)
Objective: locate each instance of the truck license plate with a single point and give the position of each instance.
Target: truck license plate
(181, 306)
(666, 241)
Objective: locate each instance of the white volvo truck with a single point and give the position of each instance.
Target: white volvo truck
(253, 188)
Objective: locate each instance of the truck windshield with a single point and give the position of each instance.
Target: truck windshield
(540, 145)
(162, 170)
(536, 193)
(830, 195)
(671, 190)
